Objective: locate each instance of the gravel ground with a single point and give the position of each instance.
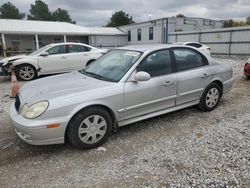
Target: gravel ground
(187, 148)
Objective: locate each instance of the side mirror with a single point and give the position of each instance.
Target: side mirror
(44, 54)
(142, 76)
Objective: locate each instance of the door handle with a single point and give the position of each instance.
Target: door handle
(168, 83)
(64, 57)
(205, 75)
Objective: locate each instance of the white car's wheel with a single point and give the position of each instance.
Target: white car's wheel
(26, 72)
(89, 128)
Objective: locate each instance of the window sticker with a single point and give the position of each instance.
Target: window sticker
(132, 53)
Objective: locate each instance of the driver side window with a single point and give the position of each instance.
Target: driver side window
(157, 63)
(57, 50)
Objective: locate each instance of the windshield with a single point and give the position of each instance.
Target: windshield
(113, 65)
(40, 50)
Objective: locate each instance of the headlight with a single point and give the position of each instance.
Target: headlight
(35, 110)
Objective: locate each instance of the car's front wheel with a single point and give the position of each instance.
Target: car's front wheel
(26, 72)
(89, 128)
(210, 97)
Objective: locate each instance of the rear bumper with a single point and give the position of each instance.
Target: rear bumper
(35, 132)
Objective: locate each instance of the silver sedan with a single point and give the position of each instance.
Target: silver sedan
(126, 85)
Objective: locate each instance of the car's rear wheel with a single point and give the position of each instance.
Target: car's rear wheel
(89, 128)
(26, 72)
(210, 97)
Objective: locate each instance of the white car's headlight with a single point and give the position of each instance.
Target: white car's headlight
(35, 110)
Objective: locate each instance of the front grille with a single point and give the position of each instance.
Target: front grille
(17, 103)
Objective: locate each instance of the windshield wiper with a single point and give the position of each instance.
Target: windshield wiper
(94, 75)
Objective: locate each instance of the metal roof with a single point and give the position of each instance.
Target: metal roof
(169, 18)
(11, 26)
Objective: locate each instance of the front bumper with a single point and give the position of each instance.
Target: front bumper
(35, 132)
(5, 69)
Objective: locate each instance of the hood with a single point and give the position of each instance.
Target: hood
(61, 85)
(12, 58)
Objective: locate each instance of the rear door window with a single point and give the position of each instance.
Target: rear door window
(186, 59)
(78, 48)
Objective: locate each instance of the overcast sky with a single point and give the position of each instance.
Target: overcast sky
(98, 12)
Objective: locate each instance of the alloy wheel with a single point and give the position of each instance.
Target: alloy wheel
(26, 73)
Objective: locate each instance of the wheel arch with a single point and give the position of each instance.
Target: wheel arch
(108, 109)
(219, 83)
(21, 64)
(24, 61)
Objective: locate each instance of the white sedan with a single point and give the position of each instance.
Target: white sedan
(203, 48)
(52, 59)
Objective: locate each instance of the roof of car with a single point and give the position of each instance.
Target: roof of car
(60, 43)
(148, 47)
(71, 43)
(184, 43)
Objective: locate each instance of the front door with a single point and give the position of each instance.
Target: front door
(155, 94)
(56, 61)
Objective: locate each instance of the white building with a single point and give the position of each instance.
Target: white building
(156, 31)
(26, 35)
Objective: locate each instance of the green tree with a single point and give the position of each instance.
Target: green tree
(180, 16)
(40, 11)
(248, 20)
(120, 18)
(228, 23)
(234, 23)
(239, 23)
(62, 16)
(9, 11)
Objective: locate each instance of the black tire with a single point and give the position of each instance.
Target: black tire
(30, 72)
(208, 103)
(78, 122)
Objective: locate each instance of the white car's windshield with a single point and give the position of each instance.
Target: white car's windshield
(40, 50)
(113, 65)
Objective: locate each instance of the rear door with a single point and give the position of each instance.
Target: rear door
(78, 56)
(155, 94)
(192, 74)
